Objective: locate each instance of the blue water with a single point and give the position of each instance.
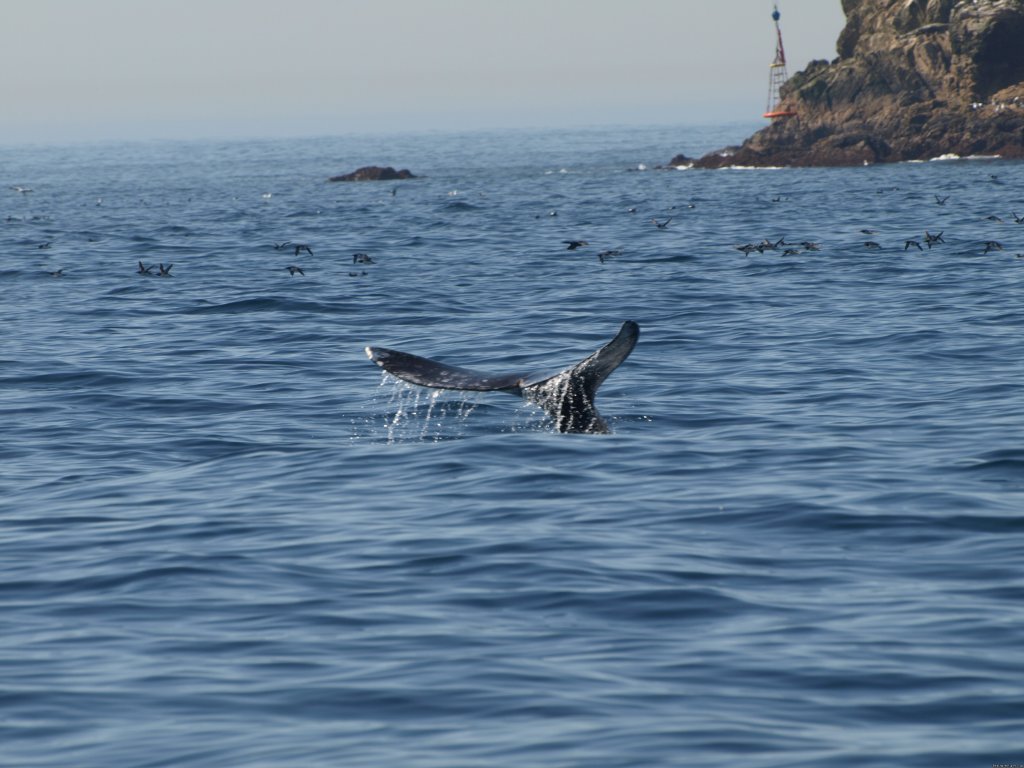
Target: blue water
(227, 539)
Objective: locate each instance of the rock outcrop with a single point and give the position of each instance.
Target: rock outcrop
(374, 173)
(914, 79)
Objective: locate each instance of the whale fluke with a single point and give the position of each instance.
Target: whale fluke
(567, 396)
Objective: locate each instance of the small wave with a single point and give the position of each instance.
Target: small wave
(1004, 464)
(267, 304)
(90, 379)
(175, 229)
(460, 205)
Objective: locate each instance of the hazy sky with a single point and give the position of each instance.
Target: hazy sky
(97, 69)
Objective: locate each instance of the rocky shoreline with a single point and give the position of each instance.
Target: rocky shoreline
(914, 80)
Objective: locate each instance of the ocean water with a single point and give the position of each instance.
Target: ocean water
(227, 539)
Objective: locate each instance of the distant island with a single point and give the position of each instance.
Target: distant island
(374, 173)
(914, 80)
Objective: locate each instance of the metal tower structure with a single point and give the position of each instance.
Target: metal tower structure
(777, 75)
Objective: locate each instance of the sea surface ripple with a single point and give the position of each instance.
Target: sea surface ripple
(226, 538)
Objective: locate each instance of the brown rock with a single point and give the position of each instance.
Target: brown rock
(374, 173)
(914, 79)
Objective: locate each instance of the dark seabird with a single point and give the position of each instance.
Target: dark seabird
(908, 243)
(930, 239)
(791, 252)
(872, 244)
(300, 248)
(44, 246)
(993, 217)
(746, 248)
(608, 255)
(941, 200)
(58, 273)
(574, 244)
(660, 224)
(165, 271)
(293, 269)
(144, 270)
(362, 258)
(358, 274)
(1018, 219)
(992, 245)
(808, 245)
(282, 246)
(869, 231)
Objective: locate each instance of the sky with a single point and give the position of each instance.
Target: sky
(86, 70)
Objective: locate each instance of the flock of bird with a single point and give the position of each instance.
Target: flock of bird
(929, 240)
(162, 270)
(299, 248)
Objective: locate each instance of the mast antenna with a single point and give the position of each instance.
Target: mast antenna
(777, 75)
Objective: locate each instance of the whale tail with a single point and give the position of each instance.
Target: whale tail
(567, 396)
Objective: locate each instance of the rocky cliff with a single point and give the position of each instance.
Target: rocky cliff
(914, 79)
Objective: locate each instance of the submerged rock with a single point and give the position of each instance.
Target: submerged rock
(914, 79)
(374, 173)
